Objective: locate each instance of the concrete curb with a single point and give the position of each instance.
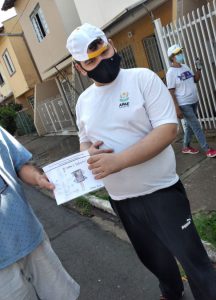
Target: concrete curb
(106, 207)
(211, 251)
(101, 204)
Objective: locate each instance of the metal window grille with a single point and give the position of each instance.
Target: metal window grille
(128, 60)
(152, 53)
(24, 122)
(8, 62)
(68, 93)
(1, 80)
(39, 23)
(31, 101)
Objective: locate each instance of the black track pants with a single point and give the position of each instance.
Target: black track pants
(160, 227)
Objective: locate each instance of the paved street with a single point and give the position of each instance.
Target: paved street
(105, 266)
(98, 256)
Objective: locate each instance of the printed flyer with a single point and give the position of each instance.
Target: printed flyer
(71, 177)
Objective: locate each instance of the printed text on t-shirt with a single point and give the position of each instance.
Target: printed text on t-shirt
(185, 75)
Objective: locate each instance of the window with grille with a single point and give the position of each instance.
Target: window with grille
(31, 101)
(68, 93)
(39, 23)
(8, 62)
(152, 53)
(128, 60)
(1, 80)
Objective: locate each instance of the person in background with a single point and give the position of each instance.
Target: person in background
(181, 83)
(130, 114)
(29, 268)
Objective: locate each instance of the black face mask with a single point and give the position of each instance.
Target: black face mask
(107, 70)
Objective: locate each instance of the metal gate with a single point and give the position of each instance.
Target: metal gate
(196, 33)
(24, 122)
(55, 116)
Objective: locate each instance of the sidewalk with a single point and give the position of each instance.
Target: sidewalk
(197, 172)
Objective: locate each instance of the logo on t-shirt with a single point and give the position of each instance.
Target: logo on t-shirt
(124, 100)
(185, 75)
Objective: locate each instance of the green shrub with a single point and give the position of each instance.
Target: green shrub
(15, 106)
(83, 206)
(206, 226)
(7, 118)
(102, 194)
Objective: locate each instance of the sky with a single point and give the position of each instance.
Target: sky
(4, 15)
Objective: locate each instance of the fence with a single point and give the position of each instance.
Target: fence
(55, 116)
(24, 122)
(196, 33)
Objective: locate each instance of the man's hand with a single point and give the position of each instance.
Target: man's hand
(179, 112)
(197, 76)
(43, 182)
(145, 149)
(32, 175)
(104, 164)
(94, 149)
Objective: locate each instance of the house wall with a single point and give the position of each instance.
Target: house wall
(5, 89)
(16, 81)
(185, 6)
(141, 29)
(69, 15)
(22, 82)
(43, 91)
(100, 12)
(52, 48)
(174, 9)
(22, 53)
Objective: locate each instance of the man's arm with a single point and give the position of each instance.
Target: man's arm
(150, 146)
(85, 146)
(178, 110)
(33, 176)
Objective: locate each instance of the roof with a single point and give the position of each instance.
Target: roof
(8, 4)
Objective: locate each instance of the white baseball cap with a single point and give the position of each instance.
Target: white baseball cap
(174, 49)
(81, 38)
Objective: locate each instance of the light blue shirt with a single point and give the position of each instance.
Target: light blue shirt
(20, 230)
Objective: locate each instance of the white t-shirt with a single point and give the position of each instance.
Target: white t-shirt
(182, 80)
(121, 114)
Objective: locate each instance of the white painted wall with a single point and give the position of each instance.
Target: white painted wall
(67, 11)
(99, 12)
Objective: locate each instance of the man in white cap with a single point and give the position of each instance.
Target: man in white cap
(181, 83)
(131, 115)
